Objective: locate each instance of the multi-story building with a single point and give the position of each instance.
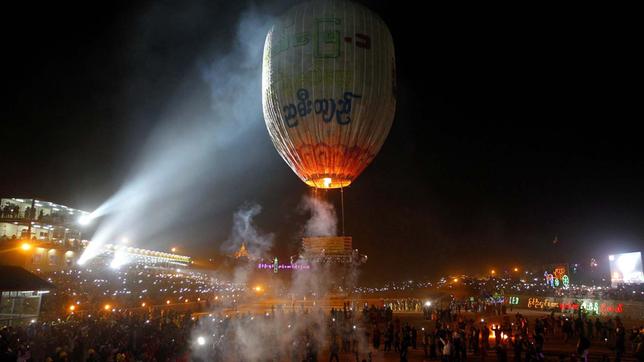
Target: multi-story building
(42, 221)
(44, 236)
(39, 235)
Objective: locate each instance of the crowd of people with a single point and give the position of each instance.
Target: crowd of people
(310, 335)
(529, 284)
(104, 337)
(455, 336)
(276, 335)
(92, 289)
(536, 285)
(448, 330)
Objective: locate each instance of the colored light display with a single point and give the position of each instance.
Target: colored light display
(589, 306)
(283, 266)
(558, 278)
(539, 303)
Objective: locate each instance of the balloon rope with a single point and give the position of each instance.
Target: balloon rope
(342, 203)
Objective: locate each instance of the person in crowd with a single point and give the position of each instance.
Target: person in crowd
(433, 337)
(389, 335)
(583, 345)
(376, 337)
(334, 350)
(414, 337)
(447, 349)
(589, 329)
(620, 342)
(517, 345)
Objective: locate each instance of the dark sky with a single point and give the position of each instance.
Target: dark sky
(509, 130)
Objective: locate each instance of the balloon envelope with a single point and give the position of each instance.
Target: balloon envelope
(328, 89)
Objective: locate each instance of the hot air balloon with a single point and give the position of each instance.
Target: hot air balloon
(328, 89)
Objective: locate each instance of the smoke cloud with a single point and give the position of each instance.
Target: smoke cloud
(323, 220)
(277, 336)
(189, 152)
(299, 326)
(245, 232)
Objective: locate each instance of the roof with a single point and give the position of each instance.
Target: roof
(44, 204)
(242, 252)
(14, 278)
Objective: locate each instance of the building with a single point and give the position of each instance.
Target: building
(242, 252)
(334, 257)
(37, 255)
(42, 221)
(20, 295)
(44, 236)
(123, 254)
(43, 256)
(40, 235)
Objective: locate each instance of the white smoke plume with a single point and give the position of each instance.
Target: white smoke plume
(323, 220)
(188, 152)
(299, 327)
(246, 232)
(275, 336)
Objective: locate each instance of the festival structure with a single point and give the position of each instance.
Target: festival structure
(331, 249)
(329, 99)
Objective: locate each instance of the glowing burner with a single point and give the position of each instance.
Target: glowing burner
(326, 182)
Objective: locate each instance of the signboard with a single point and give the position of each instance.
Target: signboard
(275, 267)
(626, 268)
(592, 306)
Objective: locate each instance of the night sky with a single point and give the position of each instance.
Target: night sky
(509, 131)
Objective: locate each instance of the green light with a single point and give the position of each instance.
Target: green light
(566, 281)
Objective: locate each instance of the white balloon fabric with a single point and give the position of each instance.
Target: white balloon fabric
(328, 89)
